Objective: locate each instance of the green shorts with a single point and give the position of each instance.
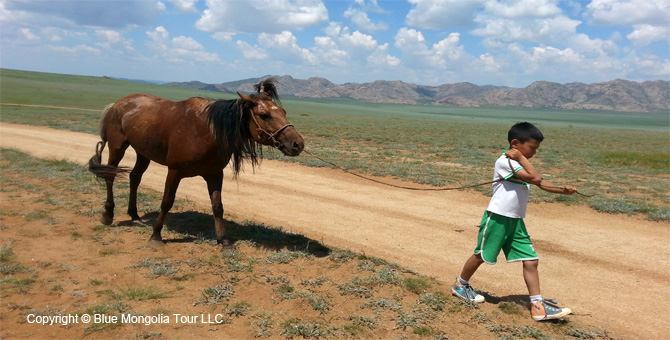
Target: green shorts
(497, 233)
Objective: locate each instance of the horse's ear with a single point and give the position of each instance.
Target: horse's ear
(245, 97)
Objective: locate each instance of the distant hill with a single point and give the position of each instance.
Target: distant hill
(155, 82)
(616, 95)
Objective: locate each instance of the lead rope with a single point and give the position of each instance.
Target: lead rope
(423, 189)
(398, 186)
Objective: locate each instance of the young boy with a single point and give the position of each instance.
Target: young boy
(502, 227)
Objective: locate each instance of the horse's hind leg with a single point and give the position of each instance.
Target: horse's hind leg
(141, 165)
(108, 215)
(115, 155)
(171, 185)
(214, 186)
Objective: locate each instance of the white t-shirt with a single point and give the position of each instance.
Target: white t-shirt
(510, 197)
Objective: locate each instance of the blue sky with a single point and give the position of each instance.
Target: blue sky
(427, 42)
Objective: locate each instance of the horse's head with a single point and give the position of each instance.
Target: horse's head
(268, 124)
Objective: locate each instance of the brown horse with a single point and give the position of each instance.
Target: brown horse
(194, 137)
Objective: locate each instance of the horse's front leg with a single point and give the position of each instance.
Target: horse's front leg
(171, 185)
(214, 186)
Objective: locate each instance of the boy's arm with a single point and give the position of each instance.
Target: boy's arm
(550, 187)
(530, 175)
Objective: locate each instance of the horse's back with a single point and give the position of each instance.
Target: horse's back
(139, 112)
(152, 125)
(142, 105)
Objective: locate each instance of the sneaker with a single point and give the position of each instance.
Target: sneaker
(547, 310)
(466, 293)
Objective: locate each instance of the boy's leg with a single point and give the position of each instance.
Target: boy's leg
(532, 277)
(521, 249)
(471, 266)
(540, 309)
(461, 287)
(492, 228)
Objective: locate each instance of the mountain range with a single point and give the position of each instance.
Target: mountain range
(615, 95)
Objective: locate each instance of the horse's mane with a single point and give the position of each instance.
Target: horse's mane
(229, 121)
(267, 88)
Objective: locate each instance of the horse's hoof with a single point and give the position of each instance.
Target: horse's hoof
(156, 244)
(106, 220)
(226, 244)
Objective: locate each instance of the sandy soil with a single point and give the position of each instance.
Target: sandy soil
(611, 270)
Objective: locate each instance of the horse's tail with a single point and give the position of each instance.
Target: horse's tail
(103, 120)
(101, 170)
(95, 163)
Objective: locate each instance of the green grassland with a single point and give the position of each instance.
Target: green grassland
(622, 157)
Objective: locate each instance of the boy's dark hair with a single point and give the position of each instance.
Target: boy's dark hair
(524, 132)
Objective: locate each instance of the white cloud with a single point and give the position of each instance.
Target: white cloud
(88, 13)
(382, 58)
(539, 60)
(416, 53)
(55, 34)
(561, 65)
(179, 49)
(409, 39)
(544, 55)
(628, 12)
(488, 63)
(333, 29)
(251, 52)
(362, 21)
(185, 6)
(327, 52)
(109, 36)
(649, 66)
(450, 48)
(529, 30)
(358, 40)
(516, 41)
(522, 8)
(158, 38)
(75, 50)
(286, 44)
(28, 34)
(256, 16)
(592, 48)
(646, 34)
(109, 39)
(188, 49)
(342, 48)
(441, 14)
(159, 33)
(223, 36)
(187, 43)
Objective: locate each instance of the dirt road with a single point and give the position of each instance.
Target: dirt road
(612, 270)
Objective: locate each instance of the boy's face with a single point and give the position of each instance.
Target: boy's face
(528, 148)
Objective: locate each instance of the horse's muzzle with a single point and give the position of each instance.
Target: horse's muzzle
(292, 146)
(291, 142)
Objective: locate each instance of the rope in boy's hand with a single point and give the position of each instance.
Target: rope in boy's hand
(398, 186)
(413, 188)
(509, 161)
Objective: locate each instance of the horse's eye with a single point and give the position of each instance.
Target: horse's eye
(265, 116)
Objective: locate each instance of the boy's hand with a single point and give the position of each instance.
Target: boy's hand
(514, 154)
(569, 190)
